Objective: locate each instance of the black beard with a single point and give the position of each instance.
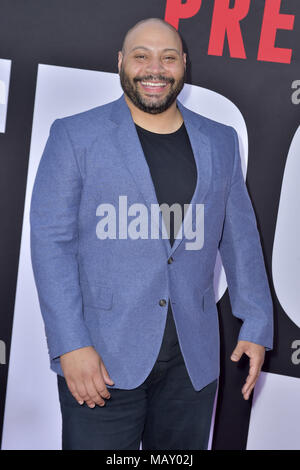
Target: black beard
(131, 90)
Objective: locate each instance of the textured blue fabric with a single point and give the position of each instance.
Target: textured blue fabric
(105, 292)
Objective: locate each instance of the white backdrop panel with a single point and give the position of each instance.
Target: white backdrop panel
(275, 413)
(5, 66)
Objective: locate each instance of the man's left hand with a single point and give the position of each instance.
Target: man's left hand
(256, 352)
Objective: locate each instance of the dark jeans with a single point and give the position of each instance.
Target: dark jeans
(165, 412)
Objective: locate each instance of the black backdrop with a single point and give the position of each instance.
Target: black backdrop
(87, 34)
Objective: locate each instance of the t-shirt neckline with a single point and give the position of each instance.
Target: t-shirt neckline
(180, 129)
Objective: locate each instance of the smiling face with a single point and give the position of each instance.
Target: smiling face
(152, 66)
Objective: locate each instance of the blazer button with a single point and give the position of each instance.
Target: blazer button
(162, 302)
(170, 260)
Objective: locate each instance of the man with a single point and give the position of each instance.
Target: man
(131, 319)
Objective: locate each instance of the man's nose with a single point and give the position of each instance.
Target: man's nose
(155, 66)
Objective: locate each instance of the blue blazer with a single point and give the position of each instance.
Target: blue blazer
(107, 293)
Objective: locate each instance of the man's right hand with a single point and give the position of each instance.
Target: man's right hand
(86, 376)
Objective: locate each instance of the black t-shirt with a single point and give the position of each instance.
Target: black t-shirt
(174, 174)
(172, 166)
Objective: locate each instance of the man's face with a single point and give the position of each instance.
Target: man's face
(152, 69)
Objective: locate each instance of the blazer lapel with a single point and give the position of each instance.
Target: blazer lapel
(132, 153)
(133, 156)
(201, 147)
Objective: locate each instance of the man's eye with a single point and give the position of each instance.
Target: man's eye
(141, 56)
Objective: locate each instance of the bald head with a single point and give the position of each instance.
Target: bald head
(152, 65)
(152, 26)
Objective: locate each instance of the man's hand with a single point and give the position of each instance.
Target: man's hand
(256, 352)
(86, 376)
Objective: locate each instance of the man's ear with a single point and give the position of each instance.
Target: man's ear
(184, 59)
(120, 59)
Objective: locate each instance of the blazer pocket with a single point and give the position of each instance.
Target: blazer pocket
(208, 299)
(97, 296)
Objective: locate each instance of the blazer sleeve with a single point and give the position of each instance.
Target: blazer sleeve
(54, 241)
(242, 258)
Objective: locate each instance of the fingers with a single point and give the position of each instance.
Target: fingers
(256, 352)
(100, 386)
(254, 371)
(237, 353)
(93, 398)
(91, 390)
(86, 376)
(105, 374)
(73, 390)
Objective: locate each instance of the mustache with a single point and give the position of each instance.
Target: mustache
(159, 78)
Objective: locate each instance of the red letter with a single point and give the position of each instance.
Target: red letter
(227, 20)
(175, 10)
(272, 21)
